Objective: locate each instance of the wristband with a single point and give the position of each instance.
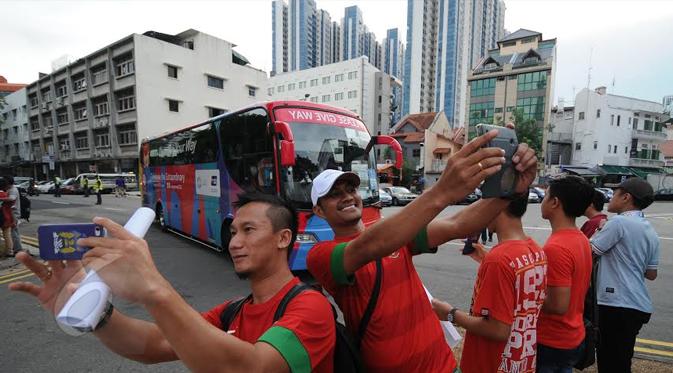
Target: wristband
(106, 317)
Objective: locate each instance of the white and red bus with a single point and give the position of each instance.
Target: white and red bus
(192, 176)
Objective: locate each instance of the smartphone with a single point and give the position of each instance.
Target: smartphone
(468, 248)
(502, 183)
(59, 241)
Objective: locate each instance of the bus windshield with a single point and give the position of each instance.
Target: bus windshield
(319, 147)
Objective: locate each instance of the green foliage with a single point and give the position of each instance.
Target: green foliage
(527, 131)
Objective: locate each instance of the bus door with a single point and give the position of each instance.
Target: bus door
(207, 180)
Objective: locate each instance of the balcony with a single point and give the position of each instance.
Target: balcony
(436, 167)
(648, 135)
(642, 162)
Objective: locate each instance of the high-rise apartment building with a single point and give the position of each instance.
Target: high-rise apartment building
(93, 113)
(442, 36)
(519, 74)
(353, 30)
(279, 37)
(393, 54)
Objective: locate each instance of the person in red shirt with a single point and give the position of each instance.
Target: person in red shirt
(263, 230)
(595, 214)
(560, 329)
(404, 334)
(500, 329)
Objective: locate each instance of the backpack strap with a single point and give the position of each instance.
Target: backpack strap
(364, 322)
(298, 288)
(230, 311)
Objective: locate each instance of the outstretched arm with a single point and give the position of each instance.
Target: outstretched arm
(463, 172)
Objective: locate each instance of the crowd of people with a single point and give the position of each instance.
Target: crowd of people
(527, 311)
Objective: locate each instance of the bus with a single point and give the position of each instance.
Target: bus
(192, 176)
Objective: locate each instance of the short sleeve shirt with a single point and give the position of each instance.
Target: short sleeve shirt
(13, 194)
(510, 288)
(628, 246)
(304, 335)
(589, 227)
(404, 334)
(568, 265)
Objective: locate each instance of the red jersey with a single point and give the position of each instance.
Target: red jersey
(304, 335)
(404, 334)
(568, 265)
(510, 288)
(589, 227)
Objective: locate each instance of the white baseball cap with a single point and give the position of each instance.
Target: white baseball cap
(323, 183)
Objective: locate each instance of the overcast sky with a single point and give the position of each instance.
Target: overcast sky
(629, 43)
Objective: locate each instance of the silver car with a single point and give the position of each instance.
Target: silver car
(385, 198)
(401, 195)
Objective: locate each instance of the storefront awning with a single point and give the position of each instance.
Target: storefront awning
(441, 151)
(617, 170)
(580, 171)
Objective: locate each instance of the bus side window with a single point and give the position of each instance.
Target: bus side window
(248, 149)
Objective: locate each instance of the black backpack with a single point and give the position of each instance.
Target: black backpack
(592, 333)
(347, 357)
(25, 207)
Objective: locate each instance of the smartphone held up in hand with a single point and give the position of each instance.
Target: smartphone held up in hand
(502, 183)
(59, 241)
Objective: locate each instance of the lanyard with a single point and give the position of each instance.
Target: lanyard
(636, 213)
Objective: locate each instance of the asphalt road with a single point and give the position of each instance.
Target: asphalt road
(33, 341)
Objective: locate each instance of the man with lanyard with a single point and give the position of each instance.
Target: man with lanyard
(403, 334)
(263, 231)
(595, 215)
(500, 329)
(628, 248)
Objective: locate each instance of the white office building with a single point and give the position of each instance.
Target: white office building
(14, 133)
(93, 113)
(611, 130)
(354, 84)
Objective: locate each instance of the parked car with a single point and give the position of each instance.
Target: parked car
(69, 186)
(539, 191)
(401, 195)
(386, 199)
(45, 186)
(607, 193)
(664, 195)
(472, 197)
(533, 197)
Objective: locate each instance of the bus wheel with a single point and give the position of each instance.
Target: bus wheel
(159, 211)
(225, 237)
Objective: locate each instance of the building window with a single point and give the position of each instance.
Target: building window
(532, 107)
(648, 125)
(619, 119)
(314, 99)
(598, 113)
(124, 67)
(416, 153)
(280, 88)
(629, 121)
(325, 80)
(338, 96)
(252, 91)
(612, 120)
(173, 105)
(127, 135)
(78, 84)
(102, 140)
(635, 123)
(510, 109)
(352, 94)
(99, 74)
(626, 150)
(532, 81)
(213, 112)
(62, 117)
(81, 142)
(578, 146)
(352, 75)
(483, 87)
(126, 101)
(79, 112)
(498, 110)
(100, 107)
(270, 91)
(314, 82)
(595, 144)
(338, 77)
(33, 101)
(581, 115)
(291, 86)
(172, 71)
(481, 113)
(62, 90)
(326, 98)
(609, 149)
(302, 84)
(64, 144)
(215, 82)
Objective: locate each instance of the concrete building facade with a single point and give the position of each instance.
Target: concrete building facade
(354, 84)
(613, 130)
(442, 37)
(518, 75)
(92, 113)
(14, 133)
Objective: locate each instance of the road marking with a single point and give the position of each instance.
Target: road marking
(653, 351)
(4, 281)
(21, 272)
(657, 215)
(61, 203)
(653, 342)
(113, 209)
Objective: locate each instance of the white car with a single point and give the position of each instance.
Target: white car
(45, 186)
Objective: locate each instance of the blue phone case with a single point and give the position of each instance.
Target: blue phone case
(59, 241)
